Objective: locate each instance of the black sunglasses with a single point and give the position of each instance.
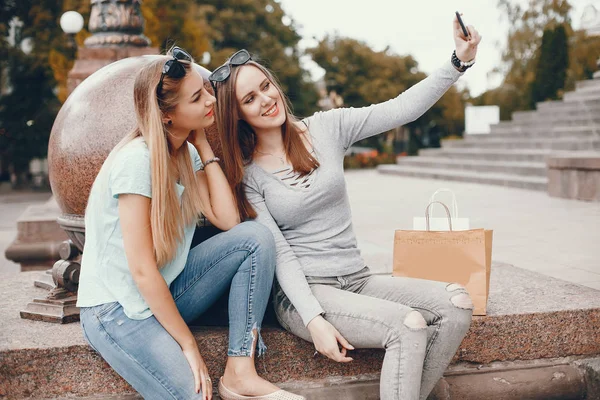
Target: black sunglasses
(173, 67)
(222, 73)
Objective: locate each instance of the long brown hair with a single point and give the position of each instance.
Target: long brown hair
(168, 216)
(239, 139)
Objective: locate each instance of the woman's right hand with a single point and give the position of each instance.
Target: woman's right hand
(326, 338)
(202, 379)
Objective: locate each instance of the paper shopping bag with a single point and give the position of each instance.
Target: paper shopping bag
(462, 257)
(441, 223)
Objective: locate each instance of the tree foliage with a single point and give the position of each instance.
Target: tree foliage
(521, 56)
(552, 64)
(32, 45)
(261, 27)
(584, 51)
(180, 22)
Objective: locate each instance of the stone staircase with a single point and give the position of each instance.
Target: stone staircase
(514, 152)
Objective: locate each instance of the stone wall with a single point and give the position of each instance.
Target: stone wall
(574, 177)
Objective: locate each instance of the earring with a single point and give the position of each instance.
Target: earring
(170, 122)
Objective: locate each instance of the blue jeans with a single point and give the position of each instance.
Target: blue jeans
(144, 353)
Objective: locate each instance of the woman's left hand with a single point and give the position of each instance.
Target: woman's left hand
(466, 48)
(196, 137)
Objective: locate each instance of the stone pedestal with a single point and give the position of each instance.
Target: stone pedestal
(38, 237)
(574, 176)
(90, 60)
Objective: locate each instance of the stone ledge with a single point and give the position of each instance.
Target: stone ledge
(574, 176)
(584, 161)
(559, 379)
(531, 317)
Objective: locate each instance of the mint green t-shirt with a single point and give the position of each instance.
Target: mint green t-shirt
(105, 275)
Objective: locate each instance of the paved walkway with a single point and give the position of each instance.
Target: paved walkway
(555, 237)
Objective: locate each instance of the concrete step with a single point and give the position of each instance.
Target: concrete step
(557, 112)
(568, 143)
(529, 155)
(500, 167)
(560, 105)
(589, 84)
(545, 130)
(534, 118)
(584, 95)
(488, 178)
(570, 120)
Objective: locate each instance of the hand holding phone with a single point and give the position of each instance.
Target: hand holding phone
(462, 26)
(466, 39)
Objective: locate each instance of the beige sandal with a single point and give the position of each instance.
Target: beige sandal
(227, 394)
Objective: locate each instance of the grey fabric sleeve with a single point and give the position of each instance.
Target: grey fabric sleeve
(354, 124)
(288, 271)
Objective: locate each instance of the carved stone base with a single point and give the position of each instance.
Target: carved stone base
(58, 310)
(45, 281)
(62, 280)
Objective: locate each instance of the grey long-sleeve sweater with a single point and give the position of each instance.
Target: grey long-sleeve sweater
(313, 226)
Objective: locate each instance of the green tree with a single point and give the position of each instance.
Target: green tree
(552, 64)
(31, 38)
(520, 57)
(584, 51)
(526, 22)
(180, 22)
(261, 27)
(26, 113)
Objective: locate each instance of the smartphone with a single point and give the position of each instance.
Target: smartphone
(462, 25)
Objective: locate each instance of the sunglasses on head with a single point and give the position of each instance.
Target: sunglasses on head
(222, 73)
(173, 67)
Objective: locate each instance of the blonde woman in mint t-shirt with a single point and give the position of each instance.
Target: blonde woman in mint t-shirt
(140, 282)
(288, 175)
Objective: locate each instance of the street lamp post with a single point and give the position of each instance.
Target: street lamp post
(71, 23)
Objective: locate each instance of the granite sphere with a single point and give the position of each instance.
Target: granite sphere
(95, 117)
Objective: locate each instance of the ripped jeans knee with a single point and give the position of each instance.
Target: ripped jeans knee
(461, 299)
(415, 321)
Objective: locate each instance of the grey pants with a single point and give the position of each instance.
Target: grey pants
(419, 323)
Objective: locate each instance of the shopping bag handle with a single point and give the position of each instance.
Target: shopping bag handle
(454, 202)
(447, 214)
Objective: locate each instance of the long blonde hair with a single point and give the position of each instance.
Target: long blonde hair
(168, 216)
(239, 140)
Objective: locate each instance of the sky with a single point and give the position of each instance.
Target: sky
(421, 28)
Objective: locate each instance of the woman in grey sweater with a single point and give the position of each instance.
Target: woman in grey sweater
(288, 175)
